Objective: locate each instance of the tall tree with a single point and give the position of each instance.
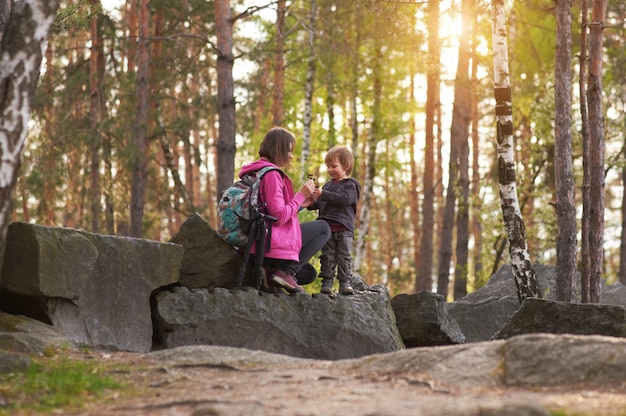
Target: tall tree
(225, 96)
(21, 51)
(364, 214)
(309, 88)
(584, 118)
(279, 64)
(424, 277)
(524, 274)
(596, 150)
(564, 175)
(461, 120)
(96, 71)
(140, 144)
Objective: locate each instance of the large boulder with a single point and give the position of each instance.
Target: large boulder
(208, 261)
(546, 316)
(94, 289)
(481, 314)
(423, 320)
(318, 326)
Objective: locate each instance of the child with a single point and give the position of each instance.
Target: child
(336, 202)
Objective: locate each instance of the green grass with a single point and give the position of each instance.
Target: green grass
(54, 383)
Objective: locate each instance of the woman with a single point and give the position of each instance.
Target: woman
(292, 244)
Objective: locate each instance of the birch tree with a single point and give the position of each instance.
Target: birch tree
(23, 44)
(524, 274)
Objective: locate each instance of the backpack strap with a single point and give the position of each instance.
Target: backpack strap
(261, 234)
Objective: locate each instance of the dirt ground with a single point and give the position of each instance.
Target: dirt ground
(321, 388)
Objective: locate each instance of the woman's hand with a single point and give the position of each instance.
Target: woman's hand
(308, 188)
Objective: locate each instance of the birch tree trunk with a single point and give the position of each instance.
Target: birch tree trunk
(368, 182)
(309, 88)
(139, 168)
(21, 51)
(596, 150)
(424, 279)
(563, 169)
(225, 97)
(5, 11)
(524, 274)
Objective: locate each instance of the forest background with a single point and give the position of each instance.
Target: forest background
(334, 72)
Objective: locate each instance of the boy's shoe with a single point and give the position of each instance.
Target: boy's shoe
(286, 281)
(345, 288)
(327, 286)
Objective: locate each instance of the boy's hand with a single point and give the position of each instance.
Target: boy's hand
(317, 193)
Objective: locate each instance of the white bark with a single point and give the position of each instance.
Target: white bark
(525, 278)
(23, 46)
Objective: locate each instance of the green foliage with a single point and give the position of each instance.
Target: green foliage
(55, 383)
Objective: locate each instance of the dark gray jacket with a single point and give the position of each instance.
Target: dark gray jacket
(338, 202)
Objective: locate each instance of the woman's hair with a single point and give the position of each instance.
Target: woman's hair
(343, 155)
(277, 145)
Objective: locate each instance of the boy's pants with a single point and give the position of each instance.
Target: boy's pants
(336, 255)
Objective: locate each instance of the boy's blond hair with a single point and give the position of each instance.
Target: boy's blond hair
(343, 155)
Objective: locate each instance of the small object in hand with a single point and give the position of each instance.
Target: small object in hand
(309, 176)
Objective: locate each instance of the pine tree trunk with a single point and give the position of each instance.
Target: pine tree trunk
(461, 120)
(476, 223)
(524, 274)
(564, 176)
(596, 150)
(414, 191)
(309, 88)
(225, 97)
(586, 187)
(424, 279)
(95, 98)
(279, 64)
(21, 52)
(139, 168)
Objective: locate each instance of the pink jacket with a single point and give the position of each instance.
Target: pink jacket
(277, 192)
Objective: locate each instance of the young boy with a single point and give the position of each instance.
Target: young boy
(336, 202)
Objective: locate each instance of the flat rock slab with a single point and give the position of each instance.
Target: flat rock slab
(304, 326)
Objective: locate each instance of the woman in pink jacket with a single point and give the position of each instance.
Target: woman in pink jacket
(286, 261)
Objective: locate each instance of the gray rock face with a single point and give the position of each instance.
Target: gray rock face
(423, 320)
(538, 315)
(482, 313)
(304, 326)
(95, 289)
(208, 261)
(21, 337)
(554, 360)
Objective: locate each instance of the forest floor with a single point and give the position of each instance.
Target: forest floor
(319, 388)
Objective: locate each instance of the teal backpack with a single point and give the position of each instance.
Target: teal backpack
(242, 219)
